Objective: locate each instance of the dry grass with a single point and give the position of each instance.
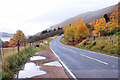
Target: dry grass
(103, 45)
(0, 65)
(10, 51)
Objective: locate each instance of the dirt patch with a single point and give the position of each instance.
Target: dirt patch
(51, 71)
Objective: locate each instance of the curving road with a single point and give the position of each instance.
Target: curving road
(84, 63)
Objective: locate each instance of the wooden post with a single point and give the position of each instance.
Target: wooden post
(30, 44)
(2, 56)
(18, 46)
(99, 34)
(25, 45)
(110, 37)
(94, 35)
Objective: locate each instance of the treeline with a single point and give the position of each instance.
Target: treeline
(45, 34)
(108, 25)
(105, 26)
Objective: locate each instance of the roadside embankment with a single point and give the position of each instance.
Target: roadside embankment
(106, 45)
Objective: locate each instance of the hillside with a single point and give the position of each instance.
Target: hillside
(5, 34)
(87, 17)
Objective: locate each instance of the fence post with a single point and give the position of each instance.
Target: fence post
(18, 46)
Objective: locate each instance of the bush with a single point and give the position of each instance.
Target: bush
(14, 62)
(91, 28)
(115, 31)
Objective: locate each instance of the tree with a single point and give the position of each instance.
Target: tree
(43, 32)
(30, 40)
(92, 23)
(104, 24)
(70, 32)
(18, 39)
(106, 18)
(5, 44)
(76, 32)
(82, 30)
(54, 29)
(59, 28)
(100, 25)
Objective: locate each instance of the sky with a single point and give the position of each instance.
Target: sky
(33, 16)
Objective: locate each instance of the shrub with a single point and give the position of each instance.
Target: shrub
(91, 28)
(14, 62)
(115, 31)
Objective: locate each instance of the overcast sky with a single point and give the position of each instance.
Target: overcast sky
(33, 16)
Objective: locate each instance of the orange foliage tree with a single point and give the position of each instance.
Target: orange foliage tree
(82, 30)
(101, 25)
(18, 39)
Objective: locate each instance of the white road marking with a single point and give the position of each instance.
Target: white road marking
(72, 51)
(89, 57)
(113, 65)
(95, 59)
(64, 65)
(64, 48)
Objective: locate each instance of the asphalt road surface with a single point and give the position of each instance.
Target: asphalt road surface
(84, 63)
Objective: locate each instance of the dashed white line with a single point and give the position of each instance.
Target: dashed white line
(72, 51)
(89, 57)
(95, 59)
(64, 65)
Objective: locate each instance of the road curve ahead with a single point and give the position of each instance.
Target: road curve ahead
(84, 63)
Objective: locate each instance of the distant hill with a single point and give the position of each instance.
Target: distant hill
(87, 17)
(37, 34)
(28, 36)
(5, 34)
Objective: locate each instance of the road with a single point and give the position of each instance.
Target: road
(84, 63)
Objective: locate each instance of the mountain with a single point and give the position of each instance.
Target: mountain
(28, 36)
(5, 34)
(87, 17)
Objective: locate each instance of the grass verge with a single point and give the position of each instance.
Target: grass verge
(105, 45)
(14, 62)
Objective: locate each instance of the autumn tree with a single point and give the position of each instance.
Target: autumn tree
(18, 39)
(76, 32)
(82, 30)
(69, 32)
(72, 31)
(106, 24)
(92, 23)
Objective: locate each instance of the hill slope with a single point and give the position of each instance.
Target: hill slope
(5, 34)
(87, 17)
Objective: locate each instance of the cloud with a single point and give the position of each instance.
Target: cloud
(32, 16)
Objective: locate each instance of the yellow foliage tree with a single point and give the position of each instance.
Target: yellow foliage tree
(92, 23)
(74, 33)
(18, 39)
(101, 24)
(69, 32)
(82, 30)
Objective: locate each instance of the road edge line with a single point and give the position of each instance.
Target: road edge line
(64, 65)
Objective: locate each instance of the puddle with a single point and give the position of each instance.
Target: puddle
(30, 70)
(37, 58)
(37, 53)
(54, 63)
